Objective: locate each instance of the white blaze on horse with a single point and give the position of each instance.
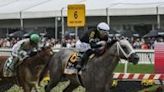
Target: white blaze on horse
(97, 77)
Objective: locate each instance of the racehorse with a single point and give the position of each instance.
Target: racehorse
(98, 73)
(27, 72)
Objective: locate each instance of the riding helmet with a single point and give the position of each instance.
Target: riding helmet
(35, 38)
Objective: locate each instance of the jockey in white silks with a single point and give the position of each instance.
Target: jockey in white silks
(82, 46)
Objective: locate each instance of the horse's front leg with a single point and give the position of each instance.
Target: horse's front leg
(26, 87)
(108, 84)
(24, 77)
(36, 87)
(55, 78)
(107, 90)
(107, 87)
(73, 85)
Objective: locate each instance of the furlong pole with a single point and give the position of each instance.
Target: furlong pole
(158, 18)
(107, 15)
(56, 28)
(62, 17)
(21, 22)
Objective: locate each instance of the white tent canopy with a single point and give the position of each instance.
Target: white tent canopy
(48, 9)
(10, 9)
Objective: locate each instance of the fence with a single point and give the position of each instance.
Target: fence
(145, 56)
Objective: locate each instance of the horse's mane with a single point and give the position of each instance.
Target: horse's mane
(109, 44)
(36, 56)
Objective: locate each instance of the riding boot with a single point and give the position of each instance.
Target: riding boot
(84, 59)
(15, 62)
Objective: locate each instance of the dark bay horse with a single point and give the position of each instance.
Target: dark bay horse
(27, 73)
(97, 77)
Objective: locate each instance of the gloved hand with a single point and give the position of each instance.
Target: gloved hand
(96, 45)
(92, 43)
(34, 50)
(23, 53)
(32, 53)
(102, 43)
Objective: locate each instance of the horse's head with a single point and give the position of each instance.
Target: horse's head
(46, 51)
(44, 54)
(123, 49)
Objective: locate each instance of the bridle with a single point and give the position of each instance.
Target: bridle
(119, 48)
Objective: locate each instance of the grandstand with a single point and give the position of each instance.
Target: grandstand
(138, 15)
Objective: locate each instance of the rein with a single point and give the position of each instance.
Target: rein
(124, 53)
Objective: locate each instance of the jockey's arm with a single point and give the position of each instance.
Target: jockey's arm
(23, 52)
(35, 48)
(94, 44)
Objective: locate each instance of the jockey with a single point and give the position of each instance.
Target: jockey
(23, 48)
(90, 41)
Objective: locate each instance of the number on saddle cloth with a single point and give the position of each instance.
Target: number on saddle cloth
(70, 67)
(72, 60)
(73, 57)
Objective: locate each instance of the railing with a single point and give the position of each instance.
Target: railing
(146, 56)
(5, 52)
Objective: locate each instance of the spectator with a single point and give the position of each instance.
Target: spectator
(68, 44)
(137, 44)
(144, 45)
(57, 44)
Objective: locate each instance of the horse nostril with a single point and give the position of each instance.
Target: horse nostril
(137, 58)
(134, 58)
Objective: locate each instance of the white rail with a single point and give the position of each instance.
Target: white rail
(146, 56)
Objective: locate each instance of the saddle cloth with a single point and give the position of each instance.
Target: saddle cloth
(8, 69)
(70, 66)
(74, 58)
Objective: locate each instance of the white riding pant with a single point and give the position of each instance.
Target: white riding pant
(82, 46)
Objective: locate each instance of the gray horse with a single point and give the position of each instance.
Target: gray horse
(97, 77)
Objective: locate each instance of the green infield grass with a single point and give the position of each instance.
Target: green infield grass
(139, 68)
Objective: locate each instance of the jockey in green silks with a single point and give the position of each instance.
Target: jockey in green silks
(23, 48)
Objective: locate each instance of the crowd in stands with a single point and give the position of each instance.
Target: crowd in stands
(137, 43)
(8, 43)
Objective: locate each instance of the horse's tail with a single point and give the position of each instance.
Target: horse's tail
(43, 72)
